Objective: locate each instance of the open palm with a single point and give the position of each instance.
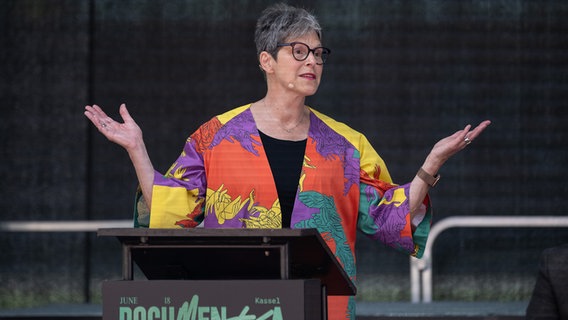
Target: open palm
(126, 134)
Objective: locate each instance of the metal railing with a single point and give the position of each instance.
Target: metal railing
(421, 269)
(63, 226)
(78, 226)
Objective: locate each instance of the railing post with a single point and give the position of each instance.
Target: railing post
(421, 291)
(415, 280)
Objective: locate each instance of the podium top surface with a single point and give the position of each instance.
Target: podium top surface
(197, 233)
(201, 253)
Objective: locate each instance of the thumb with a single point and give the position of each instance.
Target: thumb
(124, 113)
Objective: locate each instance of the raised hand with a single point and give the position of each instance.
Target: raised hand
(440, 153)
(126, 134)
(449, 146)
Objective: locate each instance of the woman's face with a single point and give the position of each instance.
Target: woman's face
(301, 77)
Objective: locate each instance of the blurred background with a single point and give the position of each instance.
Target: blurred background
(405, 73)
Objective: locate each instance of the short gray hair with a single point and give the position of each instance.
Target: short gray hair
(280, 22)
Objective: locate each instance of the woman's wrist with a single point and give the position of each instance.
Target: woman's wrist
(432, 164)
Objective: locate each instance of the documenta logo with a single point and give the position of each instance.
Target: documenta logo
(192, 311)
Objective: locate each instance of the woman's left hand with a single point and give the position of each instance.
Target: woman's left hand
(449, 146)
(441, 152)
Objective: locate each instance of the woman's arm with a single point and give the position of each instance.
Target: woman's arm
(441, 152)
(129, 136)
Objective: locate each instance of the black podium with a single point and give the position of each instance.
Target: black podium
(223, 273)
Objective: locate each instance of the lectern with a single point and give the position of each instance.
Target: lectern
(223, 273)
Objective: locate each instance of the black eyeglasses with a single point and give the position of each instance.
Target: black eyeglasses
(301, 51)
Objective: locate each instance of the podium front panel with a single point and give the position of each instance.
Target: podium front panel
(212, 299)
(219, 254)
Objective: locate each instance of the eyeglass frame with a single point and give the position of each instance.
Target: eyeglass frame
(313, 51)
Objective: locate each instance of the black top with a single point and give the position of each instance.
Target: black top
(285, 159)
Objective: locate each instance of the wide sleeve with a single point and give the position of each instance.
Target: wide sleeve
(384, 208)
(178, 196)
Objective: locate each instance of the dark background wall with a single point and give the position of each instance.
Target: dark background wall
(405, 73)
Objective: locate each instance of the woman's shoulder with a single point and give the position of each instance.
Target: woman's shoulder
(230, 114)
(341, 128)
(217, 122)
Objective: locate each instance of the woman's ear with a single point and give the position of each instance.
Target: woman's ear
(265, 61)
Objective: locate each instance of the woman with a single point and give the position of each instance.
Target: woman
(278, 163)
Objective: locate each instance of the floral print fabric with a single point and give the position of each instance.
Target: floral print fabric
(223, 179)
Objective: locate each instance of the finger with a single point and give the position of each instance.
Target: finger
(464, 137)
(482, 126)
(459, 136)
(96, 111)
(466, 130)
(90, 115)
(93, 115)
(98, 117)
(90, 110)
(125, 114)
(479, 129)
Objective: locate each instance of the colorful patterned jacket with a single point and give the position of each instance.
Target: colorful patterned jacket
(223, 179)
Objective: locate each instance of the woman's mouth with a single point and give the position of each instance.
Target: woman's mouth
(310, 76)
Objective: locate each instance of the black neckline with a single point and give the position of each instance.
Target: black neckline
(285, 158)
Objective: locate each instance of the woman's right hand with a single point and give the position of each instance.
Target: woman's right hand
(126, 134)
